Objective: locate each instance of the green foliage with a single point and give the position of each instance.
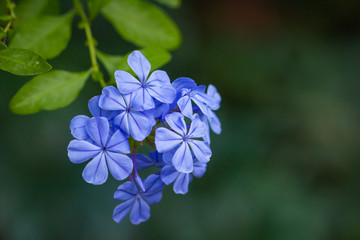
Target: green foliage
(22, 62)
(35, 31)
(142, 23)
(48, 91)
(95, 6)
(2, 33)
(28, 9)
(170, 3)
(46, 36)
(3, 8)
(110, 61)
(2, 45)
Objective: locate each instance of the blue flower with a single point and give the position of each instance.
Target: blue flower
(78, 127)
(154, 160)
(214, 94)
(78, 123)
(137, 201)
(156, 86)
(189, 92)
(96, 111)
(211, 120)
(179, 136)
(106, 151)
(138, 124)
(181, 180)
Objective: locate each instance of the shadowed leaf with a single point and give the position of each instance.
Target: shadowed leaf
(47, 36)
(48, 91)
(142, 23)
(22, 62)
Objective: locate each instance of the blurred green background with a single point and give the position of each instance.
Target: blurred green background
(285, 167)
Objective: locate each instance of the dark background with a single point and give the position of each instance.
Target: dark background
(286, 165)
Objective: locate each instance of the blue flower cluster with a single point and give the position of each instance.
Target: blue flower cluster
(175, 118)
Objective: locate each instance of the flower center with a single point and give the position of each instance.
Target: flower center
(143, 85)
(128, 109)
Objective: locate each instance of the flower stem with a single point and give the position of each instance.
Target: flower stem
(10, 5)
(96, 73)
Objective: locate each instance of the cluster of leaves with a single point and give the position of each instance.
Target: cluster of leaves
(33, 31)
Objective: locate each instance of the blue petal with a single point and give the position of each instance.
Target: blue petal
(77, 127)
(96, 171)
(139, 64)
(207, 129)
(126, 83)
(93, 106)
(200, 88)
(199, 169)
(177, 123)
(165, 93)
(154, 187)
(185, 106)
(139, 182)
(158, 78)
(183, 82)
(165, 140)
(183, 160)
(203, 97)
(157, 157)
(168, 156)
(122, 121)
(181, 185)
(201, 150)
(122, 210)
(215, 123)
(213, 93)
(203, 107)
(143, 161)
(197, 128)
(126, 191)
(150, 115)
(153, 184)
(142, 100)
(169, 174)
(160, 88)
(112, 99)
(140, 125)
(140, 211)
(80, 151)
(96, 111)
(118, 143)
(161, 110)
(98, 130)
(120, 165)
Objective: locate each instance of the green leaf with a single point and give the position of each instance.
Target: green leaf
(22, 62)
(5, 18)
(95, 7)
(156, 56)
(48, 91)
(47, 36)
(110, 61)
(170, 3)
(2, 33)
(142, 23)
(3, 7)
(2, 45)
(28, 9)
